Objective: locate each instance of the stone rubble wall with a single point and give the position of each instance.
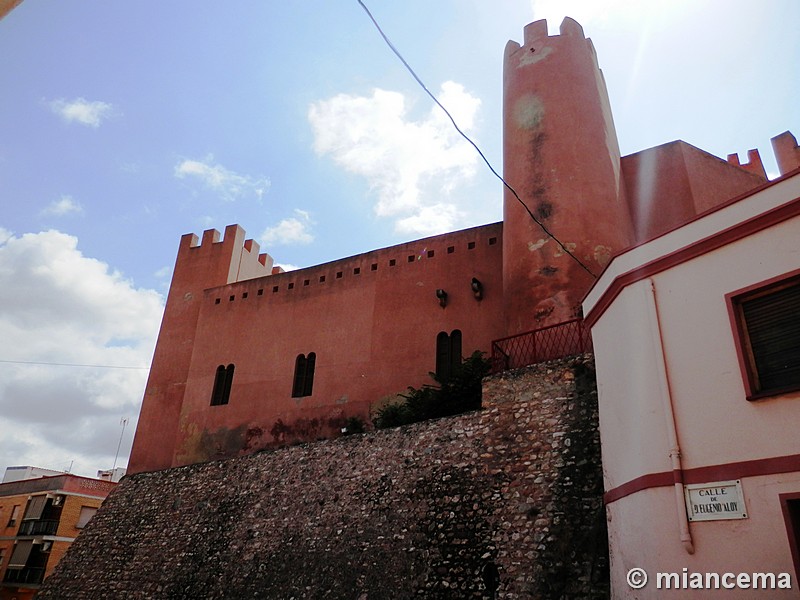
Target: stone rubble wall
(505, 502)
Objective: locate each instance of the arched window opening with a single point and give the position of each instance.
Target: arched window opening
(222, 385)
(448, 354)
(304, 375)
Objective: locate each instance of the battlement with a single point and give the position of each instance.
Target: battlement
(238, 257)
(785, 149)
(753, 164)
(536, 31)
(536, 39)
(787, 153)
(212, 236)
(361, 269)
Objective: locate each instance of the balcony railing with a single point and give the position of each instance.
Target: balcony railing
(42, 527)
(28, 575)
(557, 341)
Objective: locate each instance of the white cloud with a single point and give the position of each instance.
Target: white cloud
(62, 206)
(410, 164)
(62, 307)
(228, 184)
(287, 266)
(292, 230)
(430, 220)
(82, 111)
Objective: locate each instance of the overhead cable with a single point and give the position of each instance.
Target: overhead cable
(57, 364)
(474, 145)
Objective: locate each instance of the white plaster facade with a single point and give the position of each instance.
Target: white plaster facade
(673, 401)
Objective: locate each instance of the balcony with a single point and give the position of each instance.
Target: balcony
(41, 527)
(548, 343)
(26, 576)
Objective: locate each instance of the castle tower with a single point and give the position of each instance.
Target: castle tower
(561, 155)
(198, 267)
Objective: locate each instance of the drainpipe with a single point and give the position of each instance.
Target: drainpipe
(669, 412)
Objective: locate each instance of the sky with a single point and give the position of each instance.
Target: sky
(124, 125)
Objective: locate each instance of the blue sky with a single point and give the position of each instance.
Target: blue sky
(125, 125)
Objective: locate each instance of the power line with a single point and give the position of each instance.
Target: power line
(56, 364)
(474, 145)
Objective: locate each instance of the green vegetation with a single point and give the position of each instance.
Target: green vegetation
(460, 393)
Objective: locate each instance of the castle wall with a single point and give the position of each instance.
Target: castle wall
(671, 184)
(212, 262)
(441, 509)
(372, 321)
(787, 152)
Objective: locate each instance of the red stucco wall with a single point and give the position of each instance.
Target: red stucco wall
(373, 333)
(562, 158)
(670, 184)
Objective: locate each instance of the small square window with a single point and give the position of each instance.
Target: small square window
(392, 262)
(274, 289)
(451, 249)
(216, 301)
(767, 331)
(291, 286)
(492, 241)
(410, 258)
(430, 253)
(471, 246)
(338, 274)
(232, 298)
(261, 292)
(357, 271)
(244, 295)
(322, 278)
(306, 281)
(374, 267)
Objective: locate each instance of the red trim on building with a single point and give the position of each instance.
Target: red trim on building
(717, 240)
(645, 482)
(791, 526)
(737, 470)
(751, 393)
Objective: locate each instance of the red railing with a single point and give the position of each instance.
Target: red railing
(557, 341)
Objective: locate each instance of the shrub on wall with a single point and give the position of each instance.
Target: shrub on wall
(353, 425)
(460, 393)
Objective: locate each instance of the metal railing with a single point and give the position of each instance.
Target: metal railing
(548, 343)
(42, 527)
(28, 575)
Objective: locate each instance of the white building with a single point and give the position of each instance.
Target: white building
(697, 344)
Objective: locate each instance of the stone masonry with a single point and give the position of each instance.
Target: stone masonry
(505, 502)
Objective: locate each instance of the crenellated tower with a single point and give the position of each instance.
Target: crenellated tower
(560, 153)
(210, 263)
(787, 152)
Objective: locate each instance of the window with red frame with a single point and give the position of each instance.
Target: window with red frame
(768, 320)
